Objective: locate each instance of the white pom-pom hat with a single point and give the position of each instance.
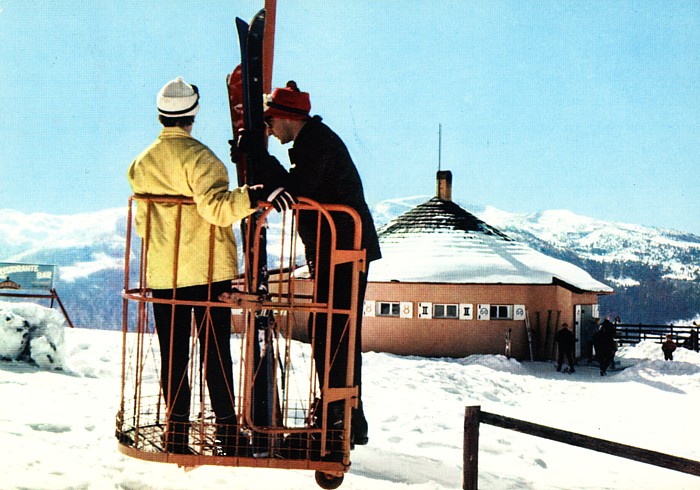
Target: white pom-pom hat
(178, 98)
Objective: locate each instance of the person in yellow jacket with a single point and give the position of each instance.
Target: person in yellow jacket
(178, 263)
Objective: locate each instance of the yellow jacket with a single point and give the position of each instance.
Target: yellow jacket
(176, 164)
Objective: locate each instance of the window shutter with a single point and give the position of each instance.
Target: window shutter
(519, 312)
(425, 310)
(368, 308)
(406, 309)
(484, 312)
(466, 311)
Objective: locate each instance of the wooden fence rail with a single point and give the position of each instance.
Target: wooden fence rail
(473, 416)
(683, 335)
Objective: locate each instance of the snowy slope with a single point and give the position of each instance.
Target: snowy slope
(438, 241)
(100, 239)
(89, 250)
(84, 243)
(676, 252)
(57, 427)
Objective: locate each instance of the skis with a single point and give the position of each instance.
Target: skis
(245, 88)
(529, 335)
(509, 343)
(234, 83)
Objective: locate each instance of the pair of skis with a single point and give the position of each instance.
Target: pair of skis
(245, 90)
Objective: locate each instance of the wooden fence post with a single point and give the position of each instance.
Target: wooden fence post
(470, 464)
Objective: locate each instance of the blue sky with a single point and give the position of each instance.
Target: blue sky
(588, 106)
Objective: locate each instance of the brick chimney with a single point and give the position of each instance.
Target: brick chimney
(444, 185)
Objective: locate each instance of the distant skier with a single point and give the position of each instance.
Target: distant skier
(610, 329)
(691, 342)
(668, 346)
(566, 342)
(605, 346)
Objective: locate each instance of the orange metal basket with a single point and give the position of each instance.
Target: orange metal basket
(300, 436)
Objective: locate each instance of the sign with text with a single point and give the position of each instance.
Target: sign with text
(26, 276)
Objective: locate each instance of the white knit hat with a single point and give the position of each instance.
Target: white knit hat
(177, 99)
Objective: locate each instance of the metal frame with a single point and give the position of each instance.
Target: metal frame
(53, 295)
(300, 437)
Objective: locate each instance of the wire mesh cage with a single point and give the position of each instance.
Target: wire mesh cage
(257, 373)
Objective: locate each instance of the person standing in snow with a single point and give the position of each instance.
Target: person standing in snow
(691, 342)
(610, 330)
(605, 346)
(668, 346)
(566, 342)
(322, 170)
(177, 164)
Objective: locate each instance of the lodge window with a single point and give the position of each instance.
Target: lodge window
(388, 309)
(501, 312)
(445, 311)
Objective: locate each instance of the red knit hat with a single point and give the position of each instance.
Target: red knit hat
(288, 103)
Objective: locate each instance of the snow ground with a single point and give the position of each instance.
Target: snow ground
(57, 427)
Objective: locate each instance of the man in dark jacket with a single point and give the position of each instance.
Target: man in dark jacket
(605, 346)
(322, 170)
(566, 342)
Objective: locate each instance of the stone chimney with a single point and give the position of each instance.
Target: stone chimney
(444, 185)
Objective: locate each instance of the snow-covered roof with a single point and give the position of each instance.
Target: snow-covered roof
(438, 241)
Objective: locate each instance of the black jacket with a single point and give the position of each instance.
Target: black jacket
(603, 343)
(565, 338)
(323, 170)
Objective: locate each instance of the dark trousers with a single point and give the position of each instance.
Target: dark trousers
(569, 353)
(342, 292)
(604, 358)
(173, 325)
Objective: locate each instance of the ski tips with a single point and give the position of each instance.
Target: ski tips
(259, 17)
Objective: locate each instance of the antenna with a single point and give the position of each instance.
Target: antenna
(439, 146)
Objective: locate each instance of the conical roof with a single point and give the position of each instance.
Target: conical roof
(440, 242)
(437, 215)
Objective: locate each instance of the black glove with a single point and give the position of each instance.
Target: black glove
(256, 193)
(249, 142)
(282, 200)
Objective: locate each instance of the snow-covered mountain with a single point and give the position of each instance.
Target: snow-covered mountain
(88, 249)
(602, 241)
(655, 272)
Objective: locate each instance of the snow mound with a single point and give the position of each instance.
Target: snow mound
(14, 335)
(649, 350)
(494, 362)
(32, 333)
(648, 363)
